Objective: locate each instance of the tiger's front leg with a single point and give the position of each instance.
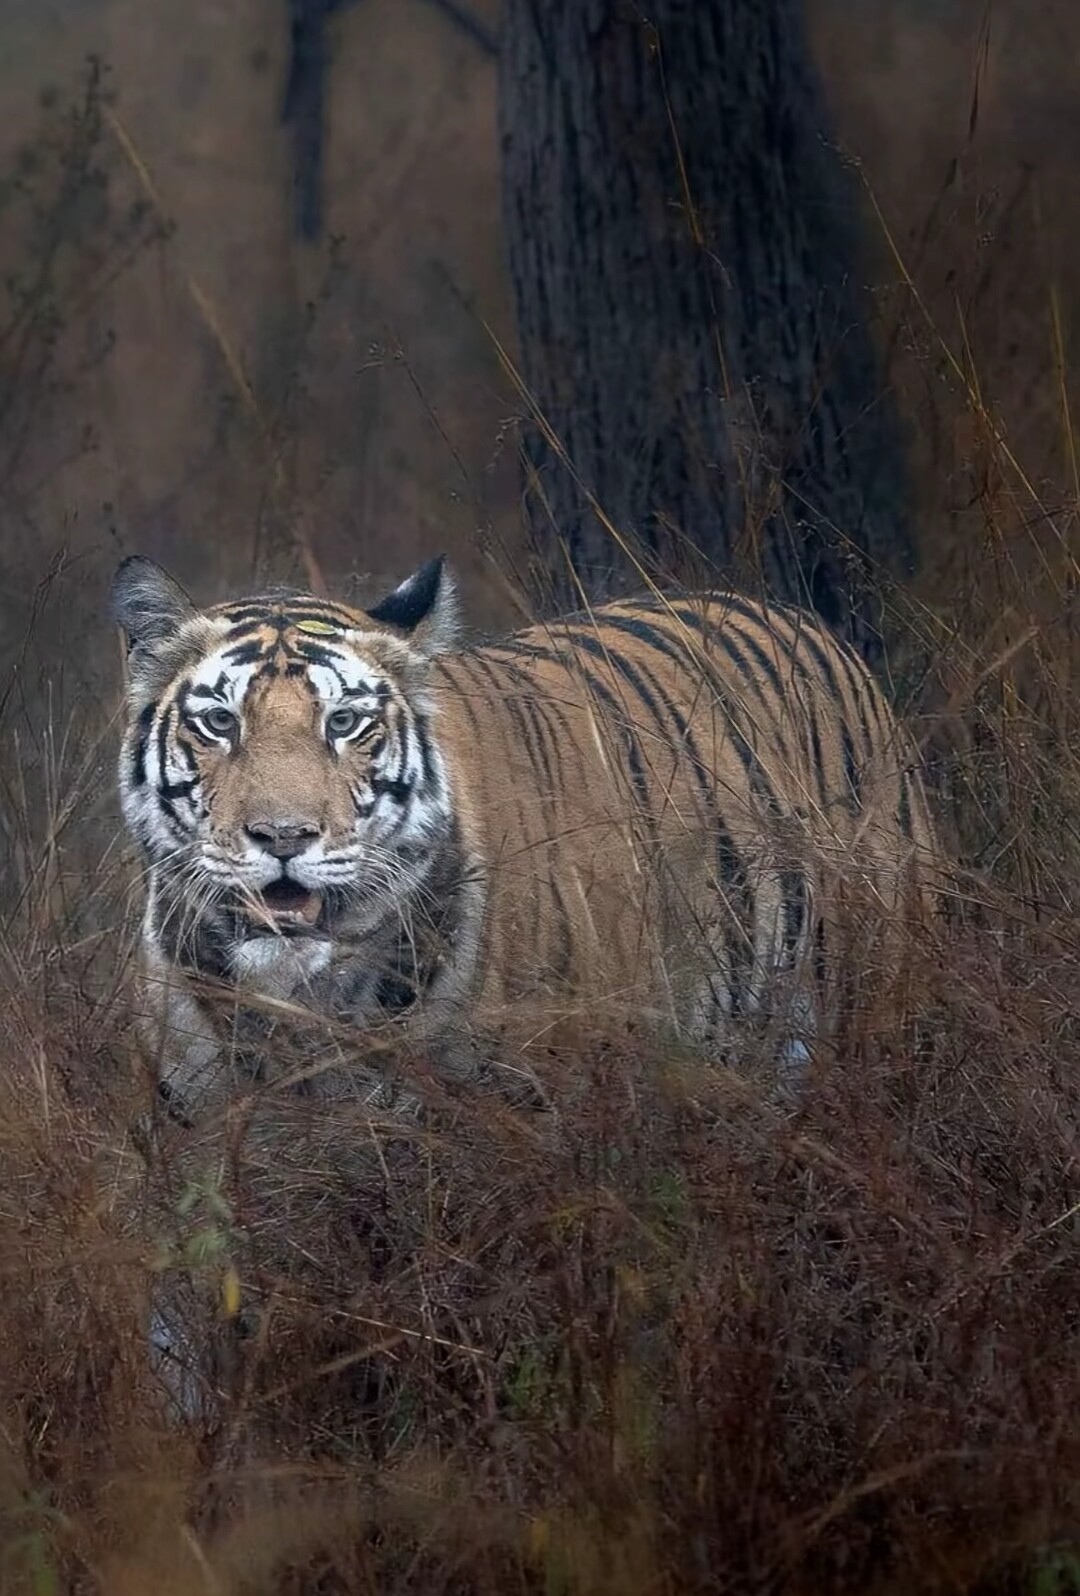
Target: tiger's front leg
(184, 1049)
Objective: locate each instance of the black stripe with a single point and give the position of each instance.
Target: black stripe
(852, 774)
(338, 619)
(903, 806)
(391, 787)
(653, 637)
(593, 646)
(633, 751)
(526, 710)
(821, 961)
(818, 643)
(896, 747)
(813, 642)
(143, 728)
(563, 958)
(519, 710)
(726, 639)
(380, 692)
(545, 742)
(279, 613)
(404, 752)
(471, 666)
(399, 786)
(730, 867)
(464, 699)
(808, 639)
(815, 744)
(551, 717)
(428, 771)
(542, 710)
(512, 645)
(793, 886)
(364, 807)
(764, 662)
(731, 870)
(319, 654)
(163, 742)
(246, 653)
(179, 831)
(864, 694)
(624, 668)
(248, 615)
(709, 624)
(327, 663)
(169, 791)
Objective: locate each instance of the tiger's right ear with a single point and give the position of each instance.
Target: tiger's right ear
(424, 607)
(148, 604)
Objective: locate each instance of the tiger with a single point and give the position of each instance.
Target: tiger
(692, 813)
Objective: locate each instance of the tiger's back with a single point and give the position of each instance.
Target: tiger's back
(673, 800)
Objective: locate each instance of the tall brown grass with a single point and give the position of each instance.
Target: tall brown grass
(666, 1334)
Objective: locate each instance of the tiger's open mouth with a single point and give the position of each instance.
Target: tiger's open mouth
(285, 906)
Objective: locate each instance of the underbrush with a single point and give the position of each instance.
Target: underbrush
(664, 1335)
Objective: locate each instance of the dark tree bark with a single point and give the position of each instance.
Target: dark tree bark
(680, 239)
(303, 108)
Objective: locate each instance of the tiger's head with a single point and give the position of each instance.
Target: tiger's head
(278, 767)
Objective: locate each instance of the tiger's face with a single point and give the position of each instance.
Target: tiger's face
(279, 766)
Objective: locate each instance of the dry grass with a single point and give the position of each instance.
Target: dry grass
(667, 1336)
(670, 1338)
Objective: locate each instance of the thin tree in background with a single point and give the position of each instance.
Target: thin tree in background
(681, 242)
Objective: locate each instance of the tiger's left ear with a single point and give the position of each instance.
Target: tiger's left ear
(149, 605)
(156, 616)
(425, 608)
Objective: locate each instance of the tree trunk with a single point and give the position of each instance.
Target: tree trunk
(680, 240)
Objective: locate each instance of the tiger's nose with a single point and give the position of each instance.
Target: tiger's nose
(282, 839)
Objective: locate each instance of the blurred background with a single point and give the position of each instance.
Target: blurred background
(184, 374)
(204, 376)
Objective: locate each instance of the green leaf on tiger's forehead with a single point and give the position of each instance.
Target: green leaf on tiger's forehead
(319, 628)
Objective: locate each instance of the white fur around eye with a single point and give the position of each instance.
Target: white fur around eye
(222, 739)
(364, 724)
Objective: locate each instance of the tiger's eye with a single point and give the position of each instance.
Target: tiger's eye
(220, 722)
(344, 721)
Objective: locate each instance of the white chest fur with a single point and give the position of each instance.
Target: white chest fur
(280, 967)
